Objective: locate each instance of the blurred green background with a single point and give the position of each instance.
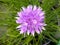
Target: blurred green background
(9, 35)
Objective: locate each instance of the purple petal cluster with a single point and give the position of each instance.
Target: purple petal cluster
(31, 20)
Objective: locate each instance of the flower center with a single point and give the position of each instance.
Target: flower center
(34, 21)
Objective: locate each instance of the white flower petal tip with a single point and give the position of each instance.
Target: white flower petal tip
(37, 31)
(21, 32)
(43, 28)
(34, 7)
(45, 25)
(16, 17)
(30, 6)
(40, 8)
(32, 34)
(23, 8)
(28, 32)
(18, 26)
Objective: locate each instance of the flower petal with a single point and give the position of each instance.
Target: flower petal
(28, 32)
(29, 7)
(34, 8)
(37, 31)
(19, 26)
(19, 14)
(32, 32)
(43, 28)
(23, 8)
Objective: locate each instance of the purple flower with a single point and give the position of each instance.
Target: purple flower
(31, 20)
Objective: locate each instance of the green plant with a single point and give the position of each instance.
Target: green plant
(8, 12)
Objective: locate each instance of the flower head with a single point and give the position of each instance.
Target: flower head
(31, 20)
